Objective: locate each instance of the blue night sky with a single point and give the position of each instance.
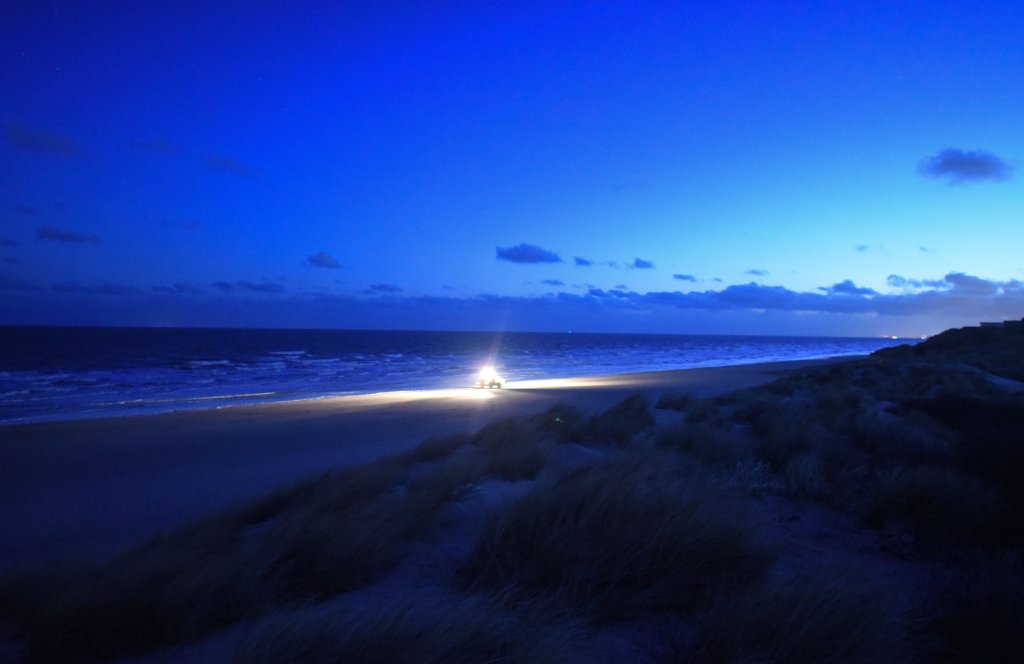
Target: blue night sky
(775, 168)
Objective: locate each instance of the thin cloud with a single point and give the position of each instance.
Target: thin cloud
(526, 253)
(862, 248)
(260, 286)
(53, 234)
(97, 289)
(25, 210)
(28, 139)
(582, 262)
(957, 166)
(756, 272)
(552, 282)
(7, 242)
(250, 286)
(324, 260)
(384, 288)
(641, 264)
(684, 277)
(180, 288)
(228, 165)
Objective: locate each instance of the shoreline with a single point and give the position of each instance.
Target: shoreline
(85, 489)
(210, 403)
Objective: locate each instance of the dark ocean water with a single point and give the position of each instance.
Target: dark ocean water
(65, 373)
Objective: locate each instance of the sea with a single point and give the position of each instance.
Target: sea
(60, 373)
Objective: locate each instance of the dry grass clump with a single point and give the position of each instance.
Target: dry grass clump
(811, 619)
(678, 402)
(426, 627)
(618, 538)
(434, 448)
(717, 447)
(938, 505)
(513, 449)
(907, 439)
(804, 477)
(321, 554)
(620, 423)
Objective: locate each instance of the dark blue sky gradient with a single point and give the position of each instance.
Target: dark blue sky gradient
(384, 165)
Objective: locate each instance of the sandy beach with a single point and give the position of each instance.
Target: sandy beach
(85, 489)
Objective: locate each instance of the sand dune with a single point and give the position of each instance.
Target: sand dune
(85, 489)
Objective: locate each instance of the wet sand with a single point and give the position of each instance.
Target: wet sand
(86, 489)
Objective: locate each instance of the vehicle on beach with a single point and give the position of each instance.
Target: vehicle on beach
(489, 378)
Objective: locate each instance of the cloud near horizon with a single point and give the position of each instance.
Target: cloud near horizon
(28, 139)
(641, 264)
(97, 289)
(955, 293)
(250, 286)
(684, 277)
(180, 288)
(847, 287)
(383, 288)
(54, 234)
(756, 272)
(957, 166)
(957, 298)
(324, 260)
(526, 253)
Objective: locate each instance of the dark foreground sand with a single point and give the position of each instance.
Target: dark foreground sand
(84, 489)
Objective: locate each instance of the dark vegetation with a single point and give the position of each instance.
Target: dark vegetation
(695, 537)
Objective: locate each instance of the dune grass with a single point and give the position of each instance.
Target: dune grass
(678, 402)
(323, 537)
(423, 627)
(617, 538)
(620, 423)
(939, 505)
(320, 538)
(804, 621)
(717, 447)
(660, 522)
